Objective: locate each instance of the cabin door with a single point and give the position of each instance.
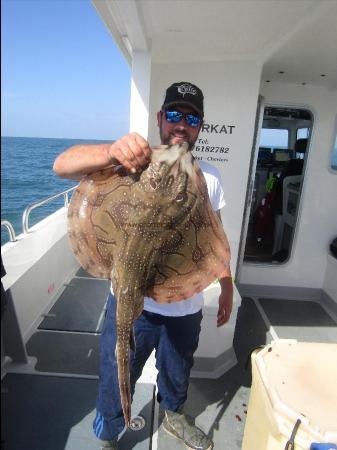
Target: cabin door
(279, 155)
(250, 184)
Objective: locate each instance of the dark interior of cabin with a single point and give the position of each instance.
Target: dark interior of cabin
(279, 175)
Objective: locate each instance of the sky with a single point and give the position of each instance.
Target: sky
(62, 76)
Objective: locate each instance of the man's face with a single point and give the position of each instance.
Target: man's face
(177, 133)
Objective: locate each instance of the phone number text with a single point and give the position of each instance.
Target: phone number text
(210, 149)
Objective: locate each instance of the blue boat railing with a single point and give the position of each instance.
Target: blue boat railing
(30, 208)
(10, 229)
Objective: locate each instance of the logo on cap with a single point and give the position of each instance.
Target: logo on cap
(186, 88)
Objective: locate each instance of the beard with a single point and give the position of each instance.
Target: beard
(172, 139)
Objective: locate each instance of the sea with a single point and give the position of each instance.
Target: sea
(27, 177)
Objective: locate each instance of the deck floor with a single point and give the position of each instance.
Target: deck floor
(52, 405)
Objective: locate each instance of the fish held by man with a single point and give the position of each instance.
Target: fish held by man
(152, 233)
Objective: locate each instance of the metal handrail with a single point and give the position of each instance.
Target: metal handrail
(29, 208)
(10, 229)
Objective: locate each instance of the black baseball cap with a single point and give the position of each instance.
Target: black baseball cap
(184, 93)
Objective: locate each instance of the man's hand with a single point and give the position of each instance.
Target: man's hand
(225, 301)
(132, 151)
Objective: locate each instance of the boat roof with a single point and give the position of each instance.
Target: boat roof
(294, 41)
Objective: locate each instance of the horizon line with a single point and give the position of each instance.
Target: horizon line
(70, 138)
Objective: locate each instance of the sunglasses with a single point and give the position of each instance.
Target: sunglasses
(193, 120)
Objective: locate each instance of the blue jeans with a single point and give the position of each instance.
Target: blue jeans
(175, 340)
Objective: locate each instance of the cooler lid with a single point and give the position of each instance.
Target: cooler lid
(303, 376)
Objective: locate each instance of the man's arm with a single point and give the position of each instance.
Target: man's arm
(132, 151)
(226, 295)
(225, 300)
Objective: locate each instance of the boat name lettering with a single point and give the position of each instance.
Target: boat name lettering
(217, 128)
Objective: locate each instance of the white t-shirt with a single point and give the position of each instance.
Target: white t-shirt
(195, 303)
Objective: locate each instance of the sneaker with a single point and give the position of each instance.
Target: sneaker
(179, 426)
(108, 445)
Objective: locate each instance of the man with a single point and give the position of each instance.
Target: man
(171, 329)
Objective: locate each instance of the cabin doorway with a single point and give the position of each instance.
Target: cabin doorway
(284, 140)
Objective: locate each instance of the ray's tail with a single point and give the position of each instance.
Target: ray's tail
(129, 307)
(122, 355)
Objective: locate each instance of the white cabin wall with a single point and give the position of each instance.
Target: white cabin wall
(231, 92)
(317, 223)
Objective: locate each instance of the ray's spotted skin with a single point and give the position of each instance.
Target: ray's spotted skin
(152, 233)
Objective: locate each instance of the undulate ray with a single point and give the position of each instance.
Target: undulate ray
(153, 234)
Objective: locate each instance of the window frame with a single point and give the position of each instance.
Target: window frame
(333, 151)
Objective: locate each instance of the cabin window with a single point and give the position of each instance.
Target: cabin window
(302, 133)
(279, 172)
(274, 138)
(334, 155)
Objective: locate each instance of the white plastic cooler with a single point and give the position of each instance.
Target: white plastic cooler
(292, 380)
